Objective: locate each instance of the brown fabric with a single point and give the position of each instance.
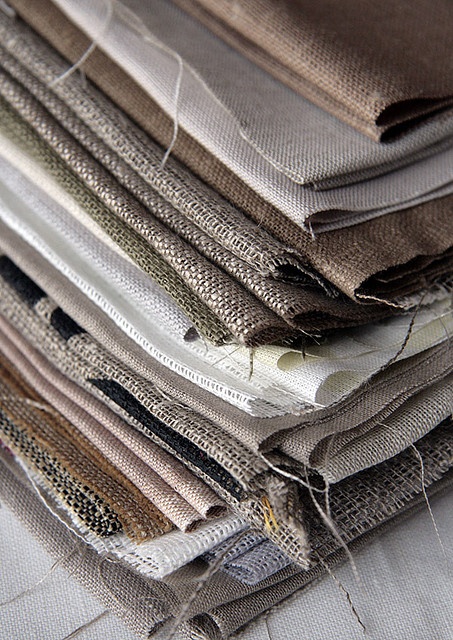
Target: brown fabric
(223, 604)
(240, 476)
(371, 254)
(140, 604)
(117, 440)
(39, 434)
(92, 436)
(373, 66)
(296, 435)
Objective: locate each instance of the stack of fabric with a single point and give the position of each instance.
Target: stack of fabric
(226, 240)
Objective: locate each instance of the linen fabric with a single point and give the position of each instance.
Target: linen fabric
(99, 494)
(296, 436)
(70, 41)
(237, 474)
(282, 307)
(224, 372)
(227, 617)
(164, 482)
(357, 62)
(203, 113)
(371, 254)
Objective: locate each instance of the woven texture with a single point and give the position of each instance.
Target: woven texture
(237, 474)
(163, 480)
(357, 62)
(371, 255)
(204, 108)
(97, 493)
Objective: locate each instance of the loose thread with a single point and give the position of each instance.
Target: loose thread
(333, 529)
(346, 593)
(88, 52)
(425, 495)
(92, 622)
(269, 518)
(34, 586)
(251, 362)
(176, 116)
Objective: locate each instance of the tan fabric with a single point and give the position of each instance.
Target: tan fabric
(374, 66)
(372, 253)
(43, 437)
(138, 458)
(295, 435)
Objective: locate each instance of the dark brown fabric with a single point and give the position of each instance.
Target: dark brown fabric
(375, 66)
(362, 250)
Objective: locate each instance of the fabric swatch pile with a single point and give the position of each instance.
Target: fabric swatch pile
(226, 268)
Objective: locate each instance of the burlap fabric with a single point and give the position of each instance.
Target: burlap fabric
(371, 254)
(296, 436)
(259, 312)
(164, 495)
(377, 69)
(219, 93)
(237, 474)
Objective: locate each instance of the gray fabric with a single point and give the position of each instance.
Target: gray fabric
(294, 135)
(201, 114)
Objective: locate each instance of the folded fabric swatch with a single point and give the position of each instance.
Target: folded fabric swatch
(377, 68)
(370, 256)
(239, 476)
(163, 601)
(163, 493)
(286, 379)
(332, 154)
(98, 494)
(363, 410)
(202, 112)
(256, 310)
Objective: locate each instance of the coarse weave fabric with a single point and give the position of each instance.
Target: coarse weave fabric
(344, 454)
(259, 312)
(97, 493)
(371, 253)
(219, 621)
(173, 194)
(364, 159)
(282, 380)
(166, 493)
(374, 67)
(161, 35)
(297, 436)
(238, 475)
(118, 588)
(248, 319)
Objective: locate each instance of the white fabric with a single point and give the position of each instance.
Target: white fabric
(213, 92)
(282, 380)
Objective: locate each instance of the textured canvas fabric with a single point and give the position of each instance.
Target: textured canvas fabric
(370, 255)
(164, 481)
(342, 455)
(345, 59)
(282, 380)
(219, 620)
(168, 36)
(255, 310)
(97, 493)
(237, 474)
